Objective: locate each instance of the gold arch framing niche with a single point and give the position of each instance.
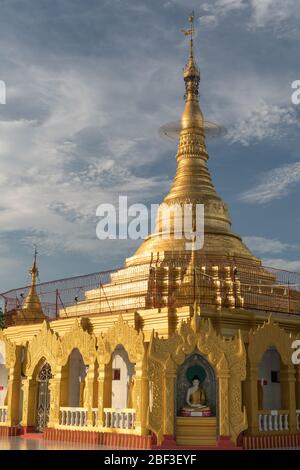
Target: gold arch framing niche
(228, 359)
(268, 335)
(121, 333)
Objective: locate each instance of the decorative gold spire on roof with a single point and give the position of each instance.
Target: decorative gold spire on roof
(32, 308)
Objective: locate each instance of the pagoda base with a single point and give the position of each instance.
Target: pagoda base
(196, 431)
(275, 441)
(113, 440)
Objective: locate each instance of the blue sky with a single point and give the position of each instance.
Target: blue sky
(88, 86)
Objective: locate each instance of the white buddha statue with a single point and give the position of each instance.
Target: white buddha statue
(196, 398)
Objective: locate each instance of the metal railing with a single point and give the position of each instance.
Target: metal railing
(219, 282)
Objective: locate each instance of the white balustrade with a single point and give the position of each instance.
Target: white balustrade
(3, 414)
(119, 418)
(73, 416)
(298, 419)
(274, 420)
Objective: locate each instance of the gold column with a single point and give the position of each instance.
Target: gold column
(13, 391)
(223, 386)
(55, 392)
(169, 399)
(88, 395)
(64, 385)
(288, 394)
(251, 400)
(137, 396)
(27, 407)
(104, 390)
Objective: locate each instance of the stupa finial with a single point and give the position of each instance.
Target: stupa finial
(34, 269)
(190, 32)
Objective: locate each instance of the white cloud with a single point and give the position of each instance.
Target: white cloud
(222, 7)
(266, 245)
(265, 122)
(208, 21)
(273, 13)
(281, 17)
(274, 185)
(216, 10)
(280, 263)
(51, 182)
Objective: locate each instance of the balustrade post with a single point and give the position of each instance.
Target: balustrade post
(280, 422)
(276, 422)
(265, 422)
(270, 422)
(260, 423)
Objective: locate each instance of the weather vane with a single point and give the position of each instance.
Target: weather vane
(191, 30)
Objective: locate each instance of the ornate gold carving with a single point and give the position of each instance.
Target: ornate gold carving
(10, 351)
(155, 415)
(78, 338)
(120, 333)
(269, 334)
(228, 359)
(46, 344)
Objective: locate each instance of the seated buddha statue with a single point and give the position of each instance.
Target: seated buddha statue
(196, 398)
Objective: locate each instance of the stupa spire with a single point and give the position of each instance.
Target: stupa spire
(192, 183)
(32, 307)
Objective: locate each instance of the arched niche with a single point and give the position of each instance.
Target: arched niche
(228, 360)
(196, 365)
(122, 378)
(37, 407)
(269, 335)
(45, 345)
(269, 384)
(73, 380)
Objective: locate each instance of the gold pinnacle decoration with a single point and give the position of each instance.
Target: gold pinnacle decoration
(32, 307)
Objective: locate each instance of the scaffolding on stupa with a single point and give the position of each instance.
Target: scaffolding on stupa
(166, 286)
